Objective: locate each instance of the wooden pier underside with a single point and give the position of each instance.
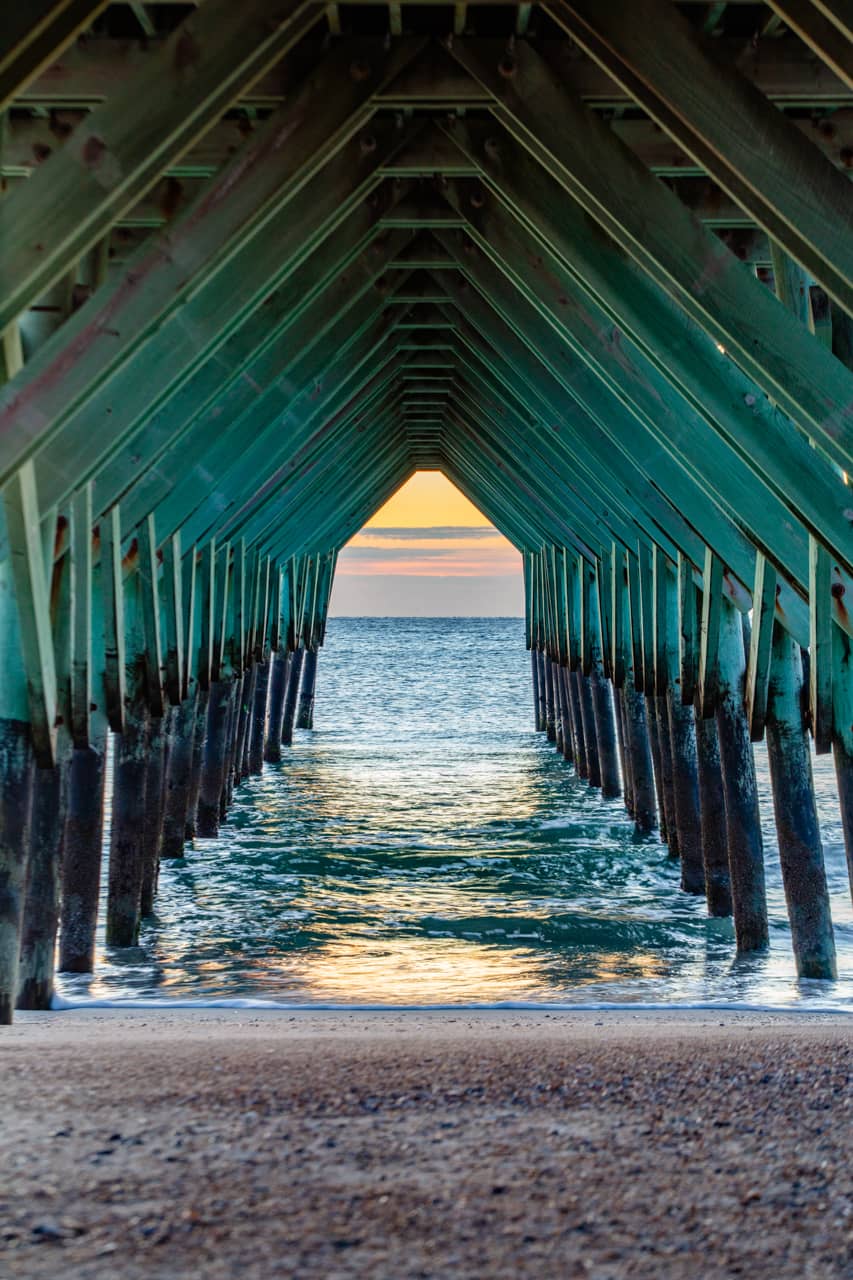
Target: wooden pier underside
(260, 262)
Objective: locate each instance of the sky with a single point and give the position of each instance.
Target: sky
(428, 553)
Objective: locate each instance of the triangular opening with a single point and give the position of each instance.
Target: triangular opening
(428, 552)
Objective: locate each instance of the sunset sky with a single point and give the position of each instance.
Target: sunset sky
(428, 552)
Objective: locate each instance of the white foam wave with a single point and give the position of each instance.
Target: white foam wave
(62, 1004)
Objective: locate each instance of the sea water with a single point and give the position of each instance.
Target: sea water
(423, 845)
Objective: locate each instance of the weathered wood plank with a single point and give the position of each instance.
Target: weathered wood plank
(108, 161)
(21, 509)
(724, 122)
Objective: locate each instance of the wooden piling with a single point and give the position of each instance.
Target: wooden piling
(278, 693)
(657, 762)
(550, 709)
(712, 807)
(685, 791)
(214, 758)
(178, 779)
(638, 749)
(41, 901)
(232, 741)
(605, 731)
(16, 785)
(534, 676)
(155, 770)
(624, 762)
(242, 762)
(541, 705)
(667, 780)
(797, 827)
(305, 714)
(573, 692)
(743, 825)
(127, 836)
(568, 742)
(587, 716)
(83, 852)
(291, 696)
(259, 718)
(199, 736)
(559, 727)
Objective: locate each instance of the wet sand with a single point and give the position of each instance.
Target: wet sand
(234, 1143)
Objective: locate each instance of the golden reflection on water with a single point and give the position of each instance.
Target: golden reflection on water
(424, 846)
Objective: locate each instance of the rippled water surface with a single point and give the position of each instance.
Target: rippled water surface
(424, 845)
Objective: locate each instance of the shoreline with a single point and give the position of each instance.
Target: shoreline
(320, 1144)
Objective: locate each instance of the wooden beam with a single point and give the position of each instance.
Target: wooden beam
(108, 162)
(712, 605)
(33, 34)
(760, 646)
(820, 33)
(81, 665)
(647, 220)
(39, 404)
(727, 125)
(21, 509)
(112, 597)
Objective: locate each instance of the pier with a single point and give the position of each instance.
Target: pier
(262, 262)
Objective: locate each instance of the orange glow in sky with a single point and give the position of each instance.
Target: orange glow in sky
(427, 500)
(428, 551)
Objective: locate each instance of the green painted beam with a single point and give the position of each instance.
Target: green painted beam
(33, 34)
(107, 163)
(649, 222)
(719, 118)
(710, 384)
(235, 212)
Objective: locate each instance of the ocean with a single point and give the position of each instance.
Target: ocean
(424, 846)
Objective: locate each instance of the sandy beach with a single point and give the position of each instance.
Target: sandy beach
(235, 1143)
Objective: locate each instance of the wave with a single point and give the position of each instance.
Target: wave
(65, 1004)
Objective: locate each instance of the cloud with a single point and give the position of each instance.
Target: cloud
(406, 596)
(437, 531)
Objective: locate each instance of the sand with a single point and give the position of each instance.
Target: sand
(229, 1143)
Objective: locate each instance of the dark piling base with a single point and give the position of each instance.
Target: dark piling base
(800, 848)
(232, 734)
(199, 737)
(685, 792)
(624, 759)
(667, 781)
(305, 714)
(573, 691)
(154, 793)
(568, 737)
(605, 732)
(241, 763)
(550, 708)
(178, 779)
(542, 707)
(81, 866)
(259, 719)
(291, 696)
(534, 675)
(127, 838)
(41, 902)
(214, 758)
(712, 806)
(657, 762)
(743, 825)
(593, 773)
(278, 692)
(844, 778)
(16, 785)
(638, 750)
(559, 720)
